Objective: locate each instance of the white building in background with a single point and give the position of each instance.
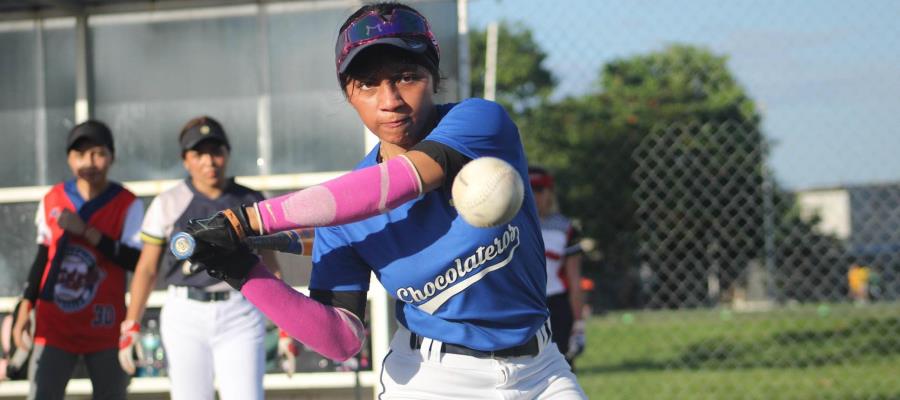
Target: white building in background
(831, 206)
(867, 219)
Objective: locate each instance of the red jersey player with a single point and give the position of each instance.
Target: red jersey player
(88, 236)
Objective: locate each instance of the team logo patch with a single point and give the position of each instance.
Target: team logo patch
(77, 280)
(55, 212)
(464, 272)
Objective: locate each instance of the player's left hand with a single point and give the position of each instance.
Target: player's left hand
(227, 229)
(231, 266)
(287, 353)
(576, 340)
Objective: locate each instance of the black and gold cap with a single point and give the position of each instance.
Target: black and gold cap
(203, 129)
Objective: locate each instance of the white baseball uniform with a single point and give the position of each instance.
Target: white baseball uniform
(212, 334)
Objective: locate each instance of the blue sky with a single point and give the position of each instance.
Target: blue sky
(825, 73)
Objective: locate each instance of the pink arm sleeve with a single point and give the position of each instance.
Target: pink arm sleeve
(332, 332)
(349, 198)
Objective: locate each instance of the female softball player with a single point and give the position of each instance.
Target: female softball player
(565, 298)
(471, 301)
(209, 330)
(87, 234)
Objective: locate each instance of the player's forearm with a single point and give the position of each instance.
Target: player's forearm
(22, 322)
(22, 318)
(349, 198)
(141, 286)
(32, 287)
(121, 254)
(576, 294)
(575, 299)
(24, 308)
(140, 292)
(329, 331)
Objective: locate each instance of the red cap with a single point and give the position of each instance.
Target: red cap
(540, 178)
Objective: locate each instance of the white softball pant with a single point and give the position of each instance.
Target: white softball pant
(221, 341)
(429, 373)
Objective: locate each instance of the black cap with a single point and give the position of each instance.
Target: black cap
(95, 131)
(201, 129)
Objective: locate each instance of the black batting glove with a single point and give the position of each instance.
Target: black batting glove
(226, 230)
(231, 266)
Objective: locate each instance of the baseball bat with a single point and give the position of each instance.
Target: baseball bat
(586, 245)
(298, 241)
(573, 249)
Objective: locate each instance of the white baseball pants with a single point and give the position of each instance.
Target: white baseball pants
(221, 341)
(429, 373)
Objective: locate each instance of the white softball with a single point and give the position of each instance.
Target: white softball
(487, 192)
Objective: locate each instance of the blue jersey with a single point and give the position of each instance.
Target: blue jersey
(483, 288)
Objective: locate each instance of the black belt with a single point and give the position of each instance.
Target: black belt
(529, 348)
(200, 294)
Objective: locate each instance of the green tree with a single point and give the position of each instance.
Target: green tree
(663, 164)
(592, 141)
(681, 83)
(522, 80)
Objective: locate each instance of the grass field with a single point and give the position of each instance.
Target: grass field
(808, 352)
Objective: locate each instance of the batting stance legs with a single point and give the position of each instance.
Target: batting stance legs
(432, 371)
(203, 339)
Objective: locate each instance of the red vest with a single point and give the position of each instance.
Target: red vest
(81, 301)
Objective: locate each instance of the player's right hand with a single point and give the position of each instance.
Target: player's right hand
(129, 348)
(227, 229)
(576, 340)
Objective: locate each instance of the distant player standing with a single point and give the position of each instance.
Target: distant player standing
(209, 330)
(565, 297)
(471, 301)
(87, 232)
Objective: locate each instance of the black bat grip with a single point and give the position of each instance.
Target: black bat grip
(286, 242)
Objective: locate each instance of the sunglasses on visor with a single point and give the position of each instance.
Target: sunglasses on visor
(372, 26)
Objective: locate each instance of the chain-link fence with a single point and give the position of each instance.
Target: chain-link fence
(734, 162)
(702, 213)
